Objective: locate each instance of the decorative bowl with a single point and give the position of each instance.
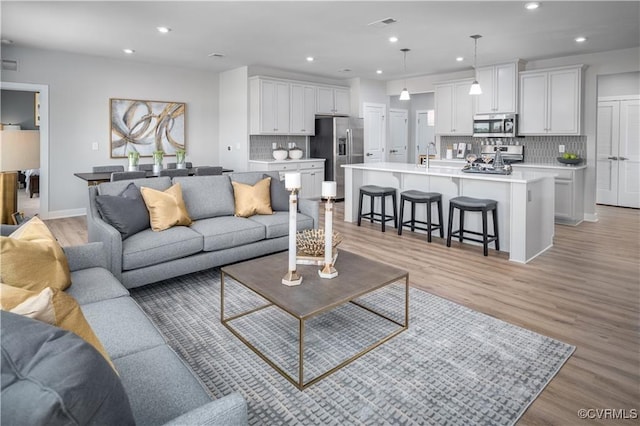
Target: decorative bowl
(295, 154)
(311, 241)
(280, 154)
(573, 161)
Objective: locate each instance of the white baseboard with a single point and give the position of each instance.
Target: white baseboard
(591, 217)
(59, 214)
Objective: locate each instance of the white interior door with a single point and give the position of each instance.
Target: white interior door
(374, 131)
(425, 133)
(398, 135)
(608, 123)
(629, 154)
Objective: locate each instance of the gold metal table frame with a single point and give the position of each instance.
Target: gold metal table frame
(302, 318)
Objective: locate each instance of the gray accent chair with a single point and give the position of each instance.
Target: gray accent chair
(174, 172)
(215, 238)
(115, 176)
(188, 165)
(107, 169)
(208, 171)
(161, 389)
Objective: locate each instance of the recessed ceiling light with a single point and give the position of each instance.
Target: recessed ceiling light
(129, 51)
(310, 59)
(163, 30)
(532, 5)
(378, 71)
(459, 59)
(7, 41)
(393, 39)
(345, 70)
(580, 39)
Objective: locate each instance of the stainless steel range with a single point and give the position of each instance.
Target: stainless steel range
(510, 153)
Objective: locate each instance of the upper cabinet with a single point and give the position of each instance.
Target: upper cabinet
(269, 106)
(332, 100)
(454, 108)
(499, 88)
(551, 101)
(303, 107)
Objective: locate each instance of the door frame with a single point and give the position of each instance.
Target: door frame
(44, 137)
(383, 143)
(389, 140)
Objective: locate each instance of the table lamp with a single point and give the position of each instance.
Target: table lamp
(292, 183)
(329, 189)
(19, 150)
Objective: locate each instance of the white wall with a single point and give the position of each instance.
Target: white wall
(622, 84)
(79, 90)
(234, 119)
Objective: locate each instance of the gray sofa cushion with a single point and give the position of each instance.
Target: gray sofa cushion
(115, 188)
(51, 376)
(123, 328)
(279, 194)
(228, 231)
(95, 284)
(150, 248)
(207, 196)
(277, 224)
(126, 212)
(160, 385)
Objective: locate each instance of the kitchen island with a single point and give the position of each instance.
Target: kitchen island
(525, 199)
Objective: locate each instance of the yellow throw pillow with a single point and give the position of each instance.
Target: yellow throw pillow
(254, 199)
(166, 209)
(32, 258)
(52, 306)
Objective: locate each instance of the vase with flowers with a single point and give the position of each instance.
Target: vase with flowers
(181, 157)
(134, 158)
(158, 156)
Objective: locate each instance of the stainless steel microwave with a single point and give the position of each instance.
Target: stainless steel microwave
(495, 125)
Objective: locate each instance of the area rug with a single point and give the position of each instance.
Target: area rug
(452, 366)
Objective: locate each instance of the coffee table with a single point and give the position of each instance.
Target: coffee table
(357, 277)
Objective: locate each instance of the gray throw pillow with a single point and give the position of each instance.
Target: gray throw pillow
(51, 376)
(126, 212)
(279, 194)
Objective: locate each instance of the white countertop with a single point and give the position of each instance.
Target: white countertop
(453, 172)
(287, 161)
(456, 162)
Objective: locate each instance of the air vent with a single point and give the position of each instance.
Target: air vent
(215, 55)
(383, 23)
(9, 65)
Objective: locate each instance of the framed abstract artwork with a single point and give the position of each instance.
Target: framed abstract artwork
(146, 126)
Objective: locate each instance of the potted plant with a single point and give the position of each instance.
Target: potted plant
(181, 156)
(134, 157)
(157, 161)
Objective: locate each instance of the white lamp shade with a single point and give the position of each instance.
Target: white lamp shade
(292, 181)
(329, 189)
(404, 95)
(475, 88)
(19, 150)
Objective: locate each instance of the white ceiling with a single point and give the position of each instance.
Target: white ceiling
(281, 34)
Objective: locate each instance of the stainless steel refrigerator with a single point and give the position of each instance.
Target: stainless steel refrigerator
(339, 140)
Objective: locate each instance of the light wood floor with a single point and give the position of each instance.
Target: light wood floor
(584, 291)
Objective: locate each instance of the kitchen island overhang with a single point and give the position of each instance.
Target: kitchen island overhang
(525, 199)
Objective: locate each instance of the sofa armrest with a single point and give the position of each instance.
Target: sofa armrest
(6, 230)
(86, 256)
(101, 231)
(311, 208)
(230, 410)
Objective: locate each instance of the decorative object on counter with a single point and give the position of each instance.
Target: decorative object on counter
(498, 163)
(134, 158)
(181, 157)
(329, 190)
(295, 153)
(475, 88)
(158, 156)
(280, 154)
(570, 158)
(449, 153)
(423, 160)
(404, 95)
(292, 183)
(146, 126)
(432, 151)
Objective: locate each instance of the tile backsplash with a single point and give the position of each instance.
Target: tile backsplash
(260, 146)
(537, 149)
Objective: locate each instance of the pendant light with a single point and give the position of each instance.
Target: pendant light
(404, 95)
(475, 86)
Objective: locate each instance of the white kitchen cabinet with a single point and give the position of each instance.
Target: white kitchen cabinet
(332, 100)
(311, 173)
(454, 108)
(551, 101)
(269, 106)
(499, 88)
(303, 105)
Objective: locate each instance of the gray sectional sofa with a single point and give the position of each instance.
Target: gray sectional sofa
(215, 238)
(48, 378)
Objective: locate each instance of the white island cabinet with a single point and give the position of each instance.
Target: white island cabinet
(525, 199)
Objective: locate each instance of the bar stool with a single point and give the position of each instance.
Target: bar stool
(470, 204)
(374, 191)
(419, 197)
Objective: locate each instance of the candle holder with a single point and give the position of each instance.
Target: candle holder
(292, 183)
(328, 192)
